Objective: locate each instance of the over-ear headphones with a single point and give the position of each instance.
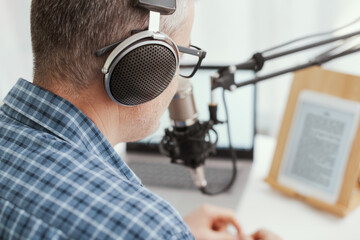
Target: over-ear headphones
(141, 67)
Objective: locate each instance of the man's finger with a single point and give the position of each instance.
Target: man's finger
(220, 225)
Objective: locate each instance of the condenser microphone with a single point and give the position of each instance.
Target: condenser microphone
(188, 142)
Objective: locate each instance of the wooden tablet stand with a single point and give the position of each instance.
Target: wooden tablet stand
(336, 84)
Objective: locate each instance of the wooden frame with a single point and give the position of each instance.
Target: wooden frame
(337, 84)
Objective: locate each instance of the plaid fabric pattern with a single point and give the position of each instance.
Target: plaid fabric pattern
(61, 179)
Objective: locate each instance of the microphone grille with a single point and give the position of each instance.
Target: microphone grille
(142, 74)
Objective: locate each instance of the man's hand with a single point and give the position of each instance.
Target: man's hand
(210, 223)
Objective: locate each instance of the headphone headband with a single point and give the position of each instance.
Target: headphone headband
(135, 38)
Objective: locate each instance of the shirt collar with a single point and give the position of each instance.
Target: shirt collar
(63, 119)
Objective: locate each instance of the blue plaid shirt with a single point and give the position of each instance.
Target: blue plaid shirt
(61, 179)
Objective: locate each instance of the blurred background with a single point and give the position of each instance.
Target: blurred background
(229, 30)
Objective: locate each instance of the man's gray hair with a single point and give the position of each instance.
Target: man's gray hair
(66, 33)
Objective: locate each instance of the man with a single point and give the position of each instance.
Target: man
(60, 178)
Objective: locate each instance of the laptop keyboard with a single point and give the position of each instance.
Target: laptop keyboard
(175, 176)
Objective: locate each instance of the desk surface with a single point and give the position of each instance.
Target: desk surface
(264, 207)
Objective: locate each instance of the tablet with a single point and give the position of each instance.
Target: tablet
(318, 145)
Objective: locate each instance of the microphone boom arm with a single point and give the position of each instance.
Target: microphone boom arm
(224, 77)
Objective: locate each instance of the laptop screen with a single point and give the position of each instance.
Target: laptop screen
(241, 109)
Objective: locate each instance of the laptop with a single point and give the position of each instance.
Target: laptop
(173, 182)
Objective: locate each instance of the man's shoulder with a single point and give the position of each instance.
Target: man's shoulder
(73, 190)
(20, 142)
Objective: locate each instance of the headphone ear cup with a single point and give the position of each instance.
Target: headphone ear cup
(141, 72)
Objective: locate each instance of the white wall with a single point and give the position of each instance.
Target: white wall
(230, 30)
(233, 30)
(275, 22)
(15, 44)
(347, 11)
(222, 29)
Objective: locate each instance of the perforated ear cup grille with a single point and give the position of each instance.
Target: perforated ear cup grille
(142, 74)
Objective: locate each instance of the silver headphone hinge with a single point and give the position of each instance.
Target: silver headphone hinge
(158, 36)
(104, 70)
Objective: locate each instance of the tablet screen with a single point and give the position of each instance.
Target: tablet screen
(319, 144)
